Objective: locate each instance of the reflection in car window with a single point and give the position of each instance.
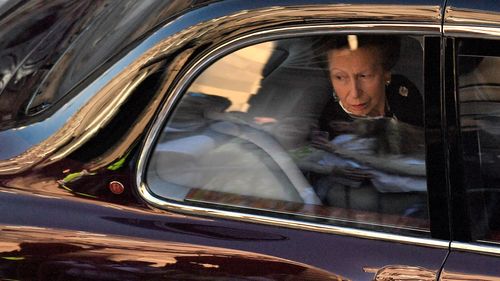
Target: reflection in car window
(479, 95)
(260, 130)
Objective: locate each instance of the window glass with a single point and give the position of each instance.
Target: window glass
(326, 129)
(479, 95)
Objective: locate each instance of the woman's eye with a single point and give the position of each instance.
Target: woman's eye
(339, 78)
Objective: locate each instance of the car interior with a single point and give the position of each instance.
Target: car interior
(206, 146)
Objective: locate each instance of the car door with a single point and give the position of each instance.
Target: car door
(231, 144)
(471, 32)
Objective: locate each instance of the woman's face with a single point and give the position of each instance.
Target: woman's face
(358, 78)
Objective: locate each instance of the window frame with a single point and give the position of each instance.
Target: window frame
(454, 30)
(235, 43)
(463, 236)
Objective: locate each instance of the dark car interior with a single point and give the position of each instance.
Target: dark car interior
(235, 155)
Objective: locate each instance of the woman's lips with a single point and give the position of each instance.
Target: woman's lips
(359, 106)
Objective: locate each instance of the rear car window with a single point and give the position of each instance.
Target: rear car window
(290, 128)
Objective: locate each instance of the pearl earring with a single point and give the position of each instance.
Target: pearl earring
(335, 97)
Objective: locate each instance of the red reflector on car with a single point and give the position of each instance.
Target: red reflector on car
(116, 187)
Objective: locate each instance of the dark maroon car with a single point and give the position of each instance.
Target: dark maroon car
(194, 140)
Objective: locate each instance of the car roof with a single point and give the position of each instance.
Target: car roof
(48, 49)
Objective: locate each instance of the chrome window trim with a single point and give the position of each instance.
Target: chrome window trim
(217, 52)
(481, 32)
(476, 248)
(294, 224)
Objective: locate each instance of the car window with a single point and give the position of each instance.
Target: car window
(326, 129)
(479, 96)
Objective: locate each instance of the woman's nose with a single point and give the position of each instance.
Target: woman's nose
(355, 90)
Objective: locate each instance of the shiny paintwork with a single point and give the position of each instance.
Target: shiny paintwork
(65, 256)
(92, 120)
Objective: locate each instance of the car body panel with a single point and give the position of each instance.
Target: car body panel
(484, 13)
(48, 254)
(467, 265)
(60, 218)
(115, 226)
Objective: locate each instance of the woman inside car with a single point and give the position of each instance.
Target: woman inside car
(359, 67)
(372, 114)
